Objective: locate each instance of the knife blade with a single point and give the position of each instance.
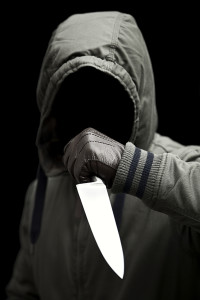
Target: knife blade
(99, 213)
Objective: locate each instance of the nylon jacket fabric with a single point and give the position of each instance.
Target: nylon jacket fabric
(155, 195)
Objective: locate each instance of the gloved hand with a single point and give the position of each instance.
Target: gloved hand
(91, 153)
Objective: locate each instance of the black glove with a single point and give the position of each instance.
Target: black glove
(91, 153)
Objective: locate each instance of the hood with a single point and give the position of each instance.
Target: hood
(111, 43)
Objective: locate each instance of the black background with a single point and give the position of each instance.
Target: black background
(172, 37)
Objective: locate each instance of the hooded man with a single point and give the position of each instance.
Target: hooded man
(96, 97)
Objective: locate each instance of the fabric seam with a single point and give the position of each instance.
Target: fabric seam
(114, 40)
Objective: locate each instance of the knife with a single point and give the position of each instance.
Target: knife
(99, 213)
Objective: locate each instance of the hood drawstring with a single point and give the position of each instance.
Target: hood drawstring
(39, 205)
(118, 208)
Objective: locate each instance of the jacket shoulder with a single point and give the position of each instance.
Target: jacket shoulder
(163, 144)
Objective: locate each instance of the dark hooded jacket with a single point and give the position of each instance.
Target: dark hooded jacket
(155, 195)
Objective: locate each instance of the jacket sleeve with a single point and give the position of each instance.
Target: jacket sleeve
(21, 285)
(165, 182)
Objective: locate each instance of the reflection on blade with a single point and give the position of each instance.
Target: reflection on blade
(98, 210)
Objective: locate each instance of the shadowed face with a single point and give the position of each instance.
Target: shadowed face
(91, 98)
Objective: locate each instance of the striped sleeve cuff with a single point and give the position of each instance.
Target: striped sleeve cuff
(139, 173)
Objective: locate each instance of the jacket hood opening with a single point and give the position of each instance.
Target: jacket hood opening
(86, 98)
